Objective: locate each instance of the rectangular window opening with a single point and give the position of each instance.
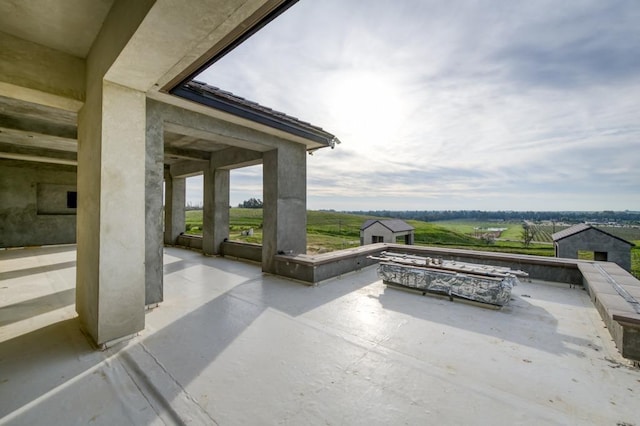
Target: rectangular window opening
(600, 256)
(72, 199)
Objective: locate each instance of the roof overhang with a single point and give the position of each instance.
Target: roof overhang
(38, 116)
(269, 11)
(239, 107)
(184, 85)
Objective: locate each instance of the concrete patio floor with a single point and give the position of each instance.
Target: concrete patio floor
(232, 346)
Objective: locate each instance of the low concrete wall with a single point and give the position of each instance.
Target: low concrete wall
(247, 251)
(242, 250)
(189, 241)
(313, 269)
(623, 322)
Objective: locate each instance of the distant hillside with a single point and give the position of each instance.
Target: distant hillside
(327, 230)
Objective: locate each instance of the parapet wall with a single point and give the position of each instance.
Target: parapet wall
(189, 241)
(314, 269)
(616, 295)
(247, 251)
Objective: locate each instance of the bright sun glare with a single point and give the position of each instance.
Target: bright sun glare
(368, 108)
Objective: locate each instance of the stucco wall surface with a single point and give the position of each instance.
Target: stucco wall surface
(27, 188)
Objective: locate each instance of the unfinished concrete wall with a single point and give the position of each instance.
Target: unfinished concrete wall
(248, 251)
(596, 241)
(313, 269)
(110, 275)
(33, 204)
(285, 203)
(174, 211)
(215, 215)
(154, 232)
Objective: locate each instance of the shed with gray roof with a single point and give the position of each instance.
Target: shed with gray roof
(385, 231)
(584, 237)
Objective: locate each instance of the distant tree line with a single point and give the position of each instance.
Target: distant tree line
(628, 217)
(251, 203)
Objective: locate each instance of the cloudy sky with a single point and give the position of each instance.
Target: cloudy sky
(486, 104)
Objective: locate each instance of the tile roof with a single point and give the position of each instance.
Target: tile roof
(228, 102)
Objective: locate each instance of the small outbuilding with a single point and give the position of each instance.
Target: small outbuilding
(386, 231)
(584, 237)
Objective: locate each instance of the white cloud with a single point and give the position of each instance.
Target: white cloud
(493, 104)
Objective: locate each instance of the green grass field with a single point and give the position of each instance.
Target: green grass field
(330, 231)
(326, 231)
(472, 227)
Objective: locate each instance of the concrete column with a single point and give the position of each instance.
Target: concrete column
(174, 200)
(285, 203)
(153, 208)
(215, 216)
(110, 281)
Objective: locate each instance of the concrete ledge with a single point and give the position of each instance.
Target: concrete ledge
(247, 251)
(619, 315)
(313, 269)
(190, 241)
(626, 318)
(235, 249)
(317, 268)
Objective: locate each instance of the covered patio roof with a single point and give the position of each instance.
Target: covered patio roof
(45, 62)
(92, 90)
(35, 132)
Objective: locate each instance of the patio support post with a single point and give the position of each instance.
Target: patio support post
(285, 203)
(174, 216)
(215, 216)
(153, 208)
(110, 281)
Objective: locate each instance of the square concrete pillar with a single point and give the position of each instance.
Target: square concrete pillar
(284, 173)
(154, 238)
(215, 215)
(110, 280)
(174, 211)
